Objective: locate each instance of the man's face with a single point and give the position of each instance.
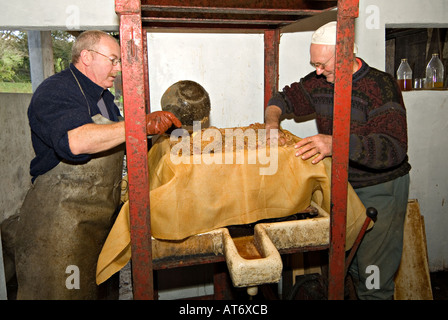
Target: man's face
(101, 70)
(322, 57)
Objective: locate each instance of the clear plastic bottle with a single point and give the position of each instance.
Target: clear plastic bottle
(434, 73)
(404, 75)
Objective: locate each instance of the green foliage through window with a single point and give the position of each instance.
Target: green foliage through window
(14, 58)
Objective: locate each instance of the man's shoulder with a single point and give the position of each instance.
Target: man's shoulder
(374, 72)
(60, 77)
(312, 82)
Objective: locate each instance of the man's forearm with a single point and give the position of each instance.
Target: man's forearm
(93, 138)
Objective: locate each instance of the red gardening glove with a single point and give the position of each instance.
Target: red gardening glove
(159, 122)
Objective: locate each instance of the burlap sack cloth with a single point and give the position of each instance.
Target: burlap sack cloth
(188, 199)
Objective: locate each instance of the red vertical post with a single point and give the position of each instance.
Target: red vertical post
(271, 60)
(136, 145)
(347, 12)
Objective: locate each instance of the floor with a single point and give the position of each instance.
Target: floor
(439, 284)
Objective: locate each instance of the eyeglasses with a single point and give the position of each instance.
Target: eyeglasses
(114, 61)
(319, 65)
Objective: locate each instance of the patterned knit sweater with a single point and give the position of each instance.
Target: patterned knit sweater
(378, 128)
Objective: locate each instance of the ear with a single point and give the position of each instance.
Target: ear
(86, 57)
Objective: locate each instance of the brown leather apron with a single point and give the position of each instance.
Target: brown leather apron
(64, 221)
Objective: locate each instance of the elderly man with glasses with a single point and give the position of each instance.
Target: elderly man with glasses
(378, 162)
(78, 137)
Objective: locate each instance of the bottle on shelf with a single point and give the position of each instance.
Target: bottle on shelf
(434, 73)
(404, 75)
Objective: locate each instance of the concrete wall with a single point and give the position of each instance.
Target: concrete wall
(16, 152)
(228, 66)
(427, 127)
(376, 15)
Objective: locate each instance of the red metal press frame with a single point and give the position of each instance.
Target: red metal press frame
(133, 68)
(271, 60)
(136, 101)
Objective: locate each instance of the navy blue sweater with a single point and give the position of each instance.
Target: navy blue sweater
(58, 106)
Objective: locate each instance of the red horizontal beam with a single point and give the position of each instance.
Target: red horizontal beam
(256, 4)
(214, 21)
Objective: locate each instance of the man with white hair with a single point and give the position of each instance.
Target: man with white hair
(378, 161)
